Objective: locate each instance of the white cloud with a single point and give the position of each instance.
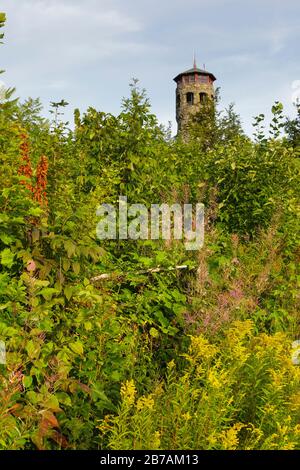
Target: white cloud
(87, 50)
(53, 30)
(76, 18)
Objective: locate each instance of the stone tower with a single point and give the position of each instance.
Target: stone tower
(194, 87)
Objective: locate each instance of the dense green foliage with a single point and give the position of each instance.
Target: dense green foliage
(198, 358)
(292, 128)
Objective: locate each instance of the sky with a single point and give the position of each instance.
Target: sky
(87, 51)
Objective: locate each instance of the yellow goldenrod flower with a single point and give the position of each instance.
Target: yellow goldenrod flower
(297, 429)
(156, 440)
(288, 446)
(212, 440)
(128, 392)
(145, 402)
(213, 379)
(171, 365)
(187, 416)
(200, 348)
(229, 437)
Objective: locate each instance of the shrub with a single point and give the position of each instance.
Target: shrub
(240, 393)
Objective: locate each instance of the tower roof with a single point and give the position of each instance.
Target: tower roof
(195, 70)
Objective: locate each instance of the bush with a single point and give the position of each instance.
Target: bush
(242, 393)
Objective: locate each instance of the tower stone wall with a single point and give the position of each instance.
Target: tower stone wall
(194, 87)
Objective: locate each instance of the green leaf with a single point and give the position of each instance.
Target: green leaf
(64, 398)
(154, 333)
(52, 403)
(88, 326)
(76, 267)
(48, 293)
(27, 381)
(66, 264)
(77, 347)
(32, 349)
(35, 211)
(40, 283)
(35, 302)
(6, 239)
(32, 397)
(68, 291)
(4, 306)
(115, 376)
(70, 248)
(7, 258)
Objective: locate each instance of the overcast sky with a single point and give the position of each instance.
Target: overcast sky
(87, 51)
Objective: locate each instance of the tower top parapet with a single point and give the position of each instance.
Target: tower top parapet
(195, 70)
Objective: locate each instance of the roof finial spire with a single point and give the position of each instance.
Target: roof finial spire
(195, 64)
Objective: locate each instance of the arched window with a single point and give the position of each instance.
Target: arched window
(178, 99)
(190, 98)
(203, 98)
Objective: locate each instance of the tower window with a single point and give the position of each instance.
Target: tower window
(203, 98)
(178, 100)
(189, 79)
(203, 79)
(190, 98)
